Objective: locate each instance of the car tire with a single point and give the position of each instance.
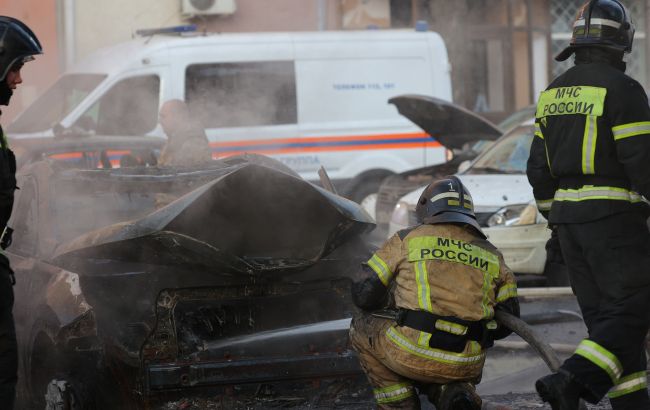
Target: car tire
(556, 274)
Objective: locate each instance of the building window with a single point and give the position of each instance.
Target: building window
(563, 14)
(242, 94)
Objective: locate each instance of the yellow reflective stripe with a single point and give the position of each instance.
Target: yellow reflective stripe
(452, 250)
(582, 100)
(544, 204)
(548, 160)
(538, 131)
(393, 393)
(488, 309)
(601, 357)
(424, 338)
(590, 192)
(629, 384)
(630, 130)
(437, 355)
(589, 145)
(506, 292)
(424, 291)
(450, 327)
(381, 269)
(453, 202)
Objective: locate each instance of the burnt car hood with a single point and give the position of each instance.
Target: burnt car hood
(252, 219)
(450, 124)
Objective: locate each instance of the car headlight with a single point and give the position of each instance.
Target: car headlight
(400, 214)
(516, 215)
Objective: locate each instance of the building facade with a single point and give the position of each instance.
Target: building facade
(501, 50)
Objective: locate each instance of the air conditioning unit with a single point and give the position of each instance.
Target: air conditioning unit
(207, 7)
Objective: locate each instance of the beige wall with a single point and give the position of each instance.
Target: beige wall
(107, 22)
(40, 16)
(274, 15)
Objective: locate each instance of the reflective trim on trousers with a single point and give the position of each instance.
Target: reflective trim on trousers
(396, 392)
(601, 357)
(629, 384)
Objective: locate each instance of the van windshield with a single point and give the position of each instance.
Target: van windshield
(508, 155)
(57, 102)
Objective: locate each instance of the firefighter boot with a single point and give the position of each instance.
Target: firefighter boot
(559, 390)
(455, 396)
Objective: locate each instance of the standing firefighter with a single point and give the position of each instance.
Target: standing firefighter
(441, 281)
(18, 44)
(589, 163)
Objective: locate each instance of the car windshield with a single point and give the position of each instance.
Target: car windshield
(508, 155)
(57, 102)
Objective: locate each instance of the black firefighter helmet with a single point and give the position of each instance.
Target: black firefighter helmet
(601, 23)
(447, 201)
(18, 44)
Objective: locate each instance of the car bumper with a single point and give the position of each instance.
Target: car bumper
(523, 247)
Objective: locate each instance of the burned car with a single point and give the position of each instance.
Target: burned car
(88, 152)
(236, 287)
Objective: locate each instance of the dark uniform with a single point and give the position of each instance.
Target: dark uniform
(8, 348)
(589, 166)
(18, 44)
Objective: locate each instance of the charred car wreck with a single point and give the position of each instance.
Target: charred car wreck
(139, 286)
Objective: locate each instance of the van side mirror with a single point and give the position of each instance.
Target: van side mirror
(464, 165)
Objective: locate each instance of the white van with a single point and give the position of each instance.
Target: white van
(307, 99)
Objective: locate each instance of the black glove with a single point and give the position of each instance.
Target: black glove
(553, 250)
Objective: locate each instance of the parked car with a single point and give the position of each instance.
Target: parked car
(504, 205)
(464, 133)
(239, 285)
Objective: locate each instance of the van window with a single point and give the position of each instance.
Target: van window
(242, 94)
(130, 107)
(57, 102)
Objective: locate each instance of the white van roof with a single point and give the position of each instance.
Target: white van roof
(144, 50)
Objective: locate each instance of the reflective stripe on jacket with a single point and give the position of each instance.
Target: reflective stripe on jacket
(591, 150)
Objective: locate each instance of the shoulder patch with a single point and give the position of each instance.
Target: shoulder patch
(404, 232)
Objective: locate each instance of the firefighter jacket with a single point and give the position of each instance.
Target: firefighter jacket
(449, 271)
(591, 152)
(7, 180)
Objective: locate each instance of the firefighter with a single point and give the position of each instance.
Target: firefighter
(441, 281)
(18, 44)
(187, 144)
(589, 167)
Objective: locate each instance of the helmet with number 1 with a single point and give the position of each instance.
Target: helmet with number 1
(447, 201)
(601, 23)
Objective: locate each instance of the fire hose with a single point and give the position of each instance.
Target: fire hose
(534, 339)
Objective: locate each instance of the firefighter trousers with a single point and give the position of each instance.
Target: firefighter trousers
(609, 269)
(8, 346)
(393, 374)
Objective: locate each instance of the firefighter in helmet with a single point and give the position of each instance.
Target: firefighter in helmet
(438, 283)
(589, 170)
(18, 44)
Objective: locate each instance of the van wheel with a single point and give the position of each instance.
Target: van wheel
(556, 274)
(364, 187)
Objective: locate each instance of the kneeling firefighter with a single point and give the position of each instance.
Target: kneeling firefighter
(439, 283)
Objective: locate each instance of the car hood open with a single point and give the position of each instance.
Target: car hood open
(251, 219)
(450, 124)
